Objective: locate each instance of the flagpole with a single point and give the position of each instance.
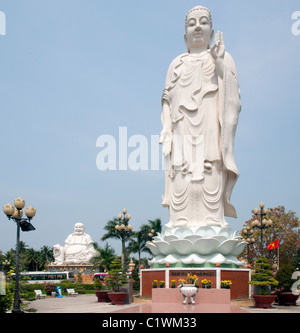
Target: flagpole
(278, 257)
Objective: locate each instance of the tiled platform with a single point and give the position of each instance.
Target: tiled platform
(180, 308)
(89, 304)
(170, 301)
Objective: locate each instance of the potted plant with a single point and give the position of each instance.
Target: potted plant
(100, 293)
(154, 284)
(161, 284)
(285, 283)
(263, 279)
(115, 279)
(225, 284)
(173, 283)
(206, 284)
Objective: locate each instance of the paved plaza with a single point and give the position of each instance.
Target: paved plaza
(89, 304)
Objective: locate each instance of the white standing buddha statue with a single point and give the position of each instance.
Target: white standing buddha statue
(201, 106)
(200, 111)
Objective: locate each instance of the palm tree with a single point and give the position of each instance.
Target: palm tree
(22, 247)
(2, 257)
(110, 227)
(123, 235)
(155, 225)
(46, 256)
(32, 259)
(105, 257)
(138, 243)
(11, 256)
(140, 238)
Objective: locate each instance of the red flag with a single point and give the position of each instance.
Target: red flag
(273, 245)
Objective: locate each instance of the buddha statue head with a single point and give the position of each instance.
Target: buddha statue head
(198, 29)
(79, 229)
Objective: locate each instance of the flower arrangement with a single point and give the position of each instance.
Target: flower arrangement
(154, 284)
(161, 284)
(206, 283)
(225, 284)
(191, 279)
(182, 282)
(173, 283)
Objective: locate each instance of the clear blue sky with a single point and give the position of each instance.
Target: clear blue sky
(73, 70)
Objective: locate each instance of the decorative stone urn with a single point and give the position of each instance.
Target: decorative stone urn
(189, 292)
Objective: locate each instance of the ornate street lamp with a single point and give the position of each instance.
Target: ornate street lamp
(5, 265)
(24, 224)
(247, 234)
(125, 231)
(151, 233)
(262, 223)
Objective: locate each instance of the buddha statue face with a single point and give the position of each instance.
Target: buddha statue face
(199, 32)
(79, 229)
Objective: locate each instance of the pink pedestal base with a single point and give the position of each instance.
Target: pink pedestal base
(240, 277)
(203, 296)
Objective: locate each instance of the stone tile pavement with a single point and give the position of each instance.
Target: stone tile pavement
(89, 304)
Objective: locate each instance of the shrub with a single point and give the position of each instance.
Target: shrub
(6, 301)
(136, 278)
(98, 284)
(49, 288)
(116, 277)
(263, 277)
(284, 277)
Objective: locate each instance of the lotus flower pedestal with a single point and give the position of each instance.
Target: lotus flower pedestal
(201, 246)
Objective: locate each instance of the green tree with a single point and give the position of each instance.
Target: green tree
(140, 238)
(124, 235)
(284, 276)
(136, 279)
(104, 258)
(156, 225)
(138, 242)
(2, 257)
(263, 277)
(6, 301)
(116, 277)
(111, 232)
(11, 256)
(46, 256)
(31, 260)
(285, 227)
